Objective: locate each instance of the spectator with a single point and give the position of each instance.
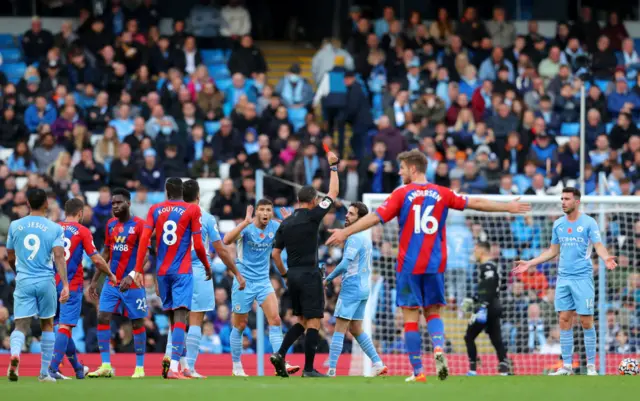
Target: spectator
(544, 153)
(332, 94)
(20, 162)
(99, 115)
(429, 107)
(562, 36)
(41, 112)
(622, 99)
(179, 35)
(107, 147)
(162, 57)
(236, 21)
(471, 30)
(399, 112)
(247, 59)
(489, 68)
(567, 106)
(309, 166)
(569, 159)
(537, 186)
(189, 58)
(205, 22)
(615, 31)
(621, 343)
(123, 124)
(503, 123)
(80, 73)
(601, 152)
(624, 129)
(358, 114)
(151, 175)
(472, 181)
(172, 165)
(442, 28)
(66, 37)
(502, 33)
(115, 18)
(147, 15)
(65, 123)
(210, 101)
(392, 137)
(12, 129)
(238, 89)
(574, 56)
(142, 84)
(394, 36)
(136, 36)
(586, 29)
(294, 90)
(481, 100)
(383, 25)
(140, 208)
(89, 174)
(377, 172)
(323, 60)
(226, 205)
(550, 66)
(227, 142)
(46, 152)
(122, 173)
(137, 135)
(159, 123)
(36, 41)
(206, 166)
(603, 60)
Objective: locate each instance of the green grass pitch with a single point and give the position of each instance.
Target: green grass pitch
(535, 388)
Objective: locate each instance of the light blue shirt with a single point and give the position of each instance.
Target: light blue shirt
(254, 250)
(576, 240)
(355, 268)
(209, 234)
(459, 247)
(33, 239)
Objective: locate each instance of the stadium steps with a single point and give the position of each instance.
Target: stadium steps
(280, 56)
(456, 327)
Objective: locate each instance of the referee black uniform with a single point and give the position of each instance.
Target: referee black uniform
(487, 301)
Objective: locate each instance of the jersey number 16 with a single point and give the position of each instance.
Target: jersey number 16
(426, 224)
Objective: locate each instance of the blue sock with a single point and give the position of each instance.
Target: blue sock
(413, 344)
(72, 355)
(17, 342)
(236, 344)
(275, 337)
(177, 341)
(367, 346)
(566, 346)
(590, 345)
(193, 345)
(47, 340)
(104, 342)
(140, 345)
(60, 348)
(167, 350)
(435, 326)
(336, 349)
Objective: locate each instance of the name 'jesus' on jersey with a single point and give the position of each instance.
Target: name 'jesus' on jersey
(77, 241)
(174, 223)
(421, 210)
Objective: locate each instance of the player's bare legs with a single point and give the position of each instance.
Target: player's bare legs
(355, 328)
(193, 344)
(17, 342)
(435, 326)
(177, 342)
(140, 345)
(413, 343)
(104, 345)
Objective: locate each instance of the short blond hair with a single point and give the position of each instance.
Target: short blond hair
(414, 158)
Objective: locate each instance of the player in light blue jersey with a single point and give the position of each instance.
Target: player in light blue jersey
(31, 243)
(203, 298)
(574, 237)
(254, 237)
(355, 269)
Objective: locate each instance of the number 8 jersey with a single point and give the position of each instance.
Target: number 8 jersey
(77, 241)
(174, 223)
(421, 210)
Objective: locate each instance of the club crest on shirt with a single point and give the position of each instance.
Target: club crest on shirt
(580, 229)
(237, 307)
(132, 230)
(270, 235)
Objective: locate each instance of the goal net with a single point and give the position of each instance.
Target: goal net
(530, 328)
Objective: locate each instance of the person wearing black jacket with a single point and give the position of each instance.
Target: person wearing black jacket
(122, 173)
(247, 59)
(358, 114)
(12, 129)
(378, 174)
(487, 311)
(36, 41)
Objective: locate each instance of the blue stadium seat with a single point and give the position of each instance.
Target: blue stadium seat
(212, 56)
(529, 253)
(296, 117)
(636, 43)
(6, 41)
(227, 108)
(510, 253)
(11, 55)
(609, 127)
(219, 71)
(211, 127)
(631, 83)
(223, 84)
(603, 84)
(14, 71)
(570, 129)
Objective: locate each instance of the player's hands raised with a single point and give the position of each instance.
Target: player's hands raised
(285, 213)
(241, 282)
(337, 237)
(332, 158)
(610, 262)
(249, 216)
(521, 267)
(517, 207)
(125, 284)
(64, 294)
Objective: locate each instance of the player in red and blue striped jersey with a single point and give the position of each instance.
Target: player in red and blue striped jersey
(127, 298)
(177, 225)
(77, 241)
(421, 209)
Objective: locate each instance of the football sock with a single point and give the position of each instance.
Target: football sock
(140, 345)
(167, 350)
(17, 342)
(177, 344)
(183, 357)
(435, 326)
(104, 340)
(275, 337)
(236, 344)
(368, 348)
(193, 345)
(413, 344)
(310, 345)
(60, 348)
(336, 348)
(292, 335)
(47, 340)
(566, 347)
(72, 355)
(590, 345)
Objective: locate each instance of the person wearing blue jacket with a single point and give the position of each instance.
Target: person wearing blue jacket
(621, 96)
(41, 112)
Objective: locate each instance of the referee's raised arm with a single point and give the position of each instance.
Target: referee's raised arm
(334, 180)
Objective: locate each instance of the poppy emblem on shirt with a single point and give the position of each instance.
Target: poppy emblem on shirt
(261, 235)
(569, 230)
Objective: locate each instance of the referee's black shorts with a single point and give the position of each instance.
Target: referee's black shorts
(306, 292)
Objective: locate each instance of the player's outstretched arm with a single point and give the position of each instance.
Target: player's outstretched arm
(233, 235)
(609, 260)
(338, 236)
(334, 180)
(523, 265)
(61, 266)
(485, 205)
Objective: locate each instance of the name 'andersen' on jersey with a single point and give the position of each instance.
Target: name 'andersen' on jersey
(421, 210)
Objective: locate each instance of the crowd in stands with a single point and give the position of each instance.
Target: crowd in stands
(113, 103)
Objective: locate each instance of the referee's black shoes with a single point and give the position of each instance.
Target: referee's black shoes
(313, 373)
(279, 364)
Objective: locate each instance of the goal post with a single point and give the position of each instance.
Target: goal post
(529, 321)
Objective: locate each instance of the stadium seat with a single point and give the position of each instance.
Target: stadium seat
(219, 71)
(205, 199)
(11, 55)
(160, 82)
(6, 41)
(609, 127)
(224, 226)
(95, 138)
(92, 197)
(510, 253)
(32, 140)
(211, 127)
(227, 108)
(21, 182)
(296, 117)
(223, 169)
(223, 84)
(209, 184)
(529, 253)
(14, 71)
(603, 84)
(570, 129)
(212, 56)
(5, 153)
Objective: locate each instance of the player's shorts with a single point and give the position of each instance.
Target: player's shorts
(176, 291)
(35, 298)
(350, 310)
(203, 299)
(419, 290)
(131, 303)
(306, 291)
(241, 301)
(69, 312)
(575, 295)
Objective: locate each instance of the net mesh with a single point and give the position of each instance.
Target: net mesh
(529, 322)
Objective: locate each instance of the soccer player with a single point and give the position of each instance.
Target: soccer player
(573, 238)
(128, 298)
(174, 222)
(421, 208)
(254, 237)
(31, 242)
(77, 241)
(203, 298)
(355, 269)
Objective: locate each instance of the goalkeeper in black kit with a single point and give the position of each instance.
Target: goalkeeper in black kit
(486, 311)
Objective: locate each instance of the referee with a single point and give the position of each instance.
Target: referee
(299, 235)
(487, 311)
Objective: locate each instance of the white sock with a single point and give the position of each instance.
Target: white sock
(183, 363)
(174, 365)
(378, 364)
(237, 365)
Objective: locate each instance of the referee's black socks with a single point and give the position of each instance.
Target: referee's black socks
(310, 345)
(292, 335)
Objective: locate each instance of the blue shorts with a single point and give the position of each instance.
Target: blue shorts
(242, 301)
(69, 312)
(419, 290)
(35, 297)
(575, 295)
(350, 310)
(202, 299)
(131, 303)
(176, 291)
